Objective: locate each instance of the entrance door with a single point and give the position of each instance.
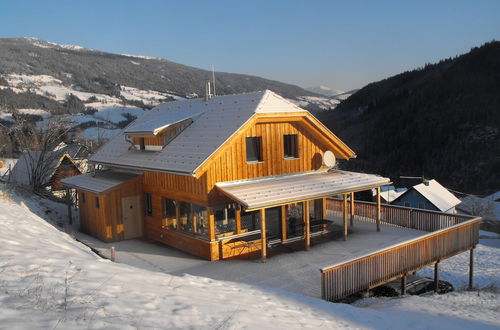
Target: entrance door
(132, 216)
(273, 223)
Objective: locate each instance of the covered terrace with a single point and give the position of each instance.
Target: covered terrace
(293, 207)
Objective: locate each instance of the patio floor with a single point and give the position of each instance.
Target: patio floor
(294, 270)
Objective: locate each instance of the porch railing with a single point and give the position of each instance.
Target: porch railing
(449, 235)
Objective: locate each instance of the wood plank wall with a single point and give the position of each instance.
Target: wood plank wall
(231, 164)
(106, 222)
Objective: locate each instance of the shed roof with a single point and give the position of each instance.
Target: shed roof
(438, 195)
(214, 122)
(99, 182)
(260, 193)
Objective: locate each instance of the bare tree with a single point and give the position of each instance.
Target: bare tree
(37, 145)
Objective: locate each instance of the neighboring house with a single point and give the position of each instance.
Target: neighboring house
(430, 195)
(217, 177)
(389, 193)
(43, 169)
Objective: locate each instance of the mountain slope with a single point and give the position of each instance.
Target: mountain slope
(441, 121)
(100, 72)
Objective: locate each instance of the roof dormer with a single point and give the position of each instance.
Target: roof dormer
(153, 135)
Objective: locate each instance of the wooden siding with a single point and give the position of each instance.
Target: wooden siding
(179, 187)
(231, 164)
(149, 140)
(106, 222)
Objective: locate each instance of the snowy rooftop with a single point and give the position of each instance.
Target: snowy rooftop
(258, 193)
(99, 182)
(438, 195)
(214, 122)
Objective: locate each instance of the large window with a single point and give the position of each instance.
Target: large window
(169, 213)
(254, 149)
(225, 219)
(200, 220)
(185, 219)
(250, 221)
(291, 146)
(148, 206)
(97, 202)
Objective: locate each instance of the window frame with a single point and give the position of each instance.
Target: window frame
(258, 151)
(148, 204)
(291, 141)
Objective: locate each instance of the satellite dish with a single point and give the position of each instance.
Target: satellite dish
(329, 159)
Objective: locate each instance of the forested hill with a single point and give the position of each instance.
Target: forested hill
(100, 72)
(441, 121)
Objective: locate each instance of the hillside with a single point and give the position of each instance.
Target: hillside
(441, 121)
(76, 289)
(99, 72)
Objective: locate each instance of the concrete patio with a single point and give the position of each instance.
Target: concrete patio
(292, 269)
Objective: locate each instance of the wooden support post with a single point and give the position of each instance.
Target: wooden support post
(378, 208)
(238, 220)
(263, 234)
(344, 216)
(211, 223)
(323, 214)
(436, 276)
(471, 268)
(352, 209)
(403, 285)
(284, 223)
(113, 254)
(68, 201)
(307, 226)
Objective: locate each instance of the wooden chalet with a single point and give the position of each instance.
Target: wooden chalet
(218, 177)
(44, 169)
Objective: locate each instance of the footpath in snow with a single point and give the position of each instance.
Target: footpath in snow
(49, 280)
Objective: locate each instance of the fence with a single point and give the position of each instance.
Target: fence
(449, 235)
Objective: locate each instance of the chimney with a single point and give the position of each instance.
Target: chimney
(208, 94)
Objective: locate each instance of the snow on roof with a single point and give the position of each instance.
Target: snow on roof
(219, 118)
(258, 193)
(156, 125)
(438, 195)
(389, 193)
(44, 163)
(99, 182)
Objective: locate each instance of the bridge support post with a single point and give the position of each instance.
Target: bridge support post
(471, 268)
(403, 285)
(436, 276)
(263, 235)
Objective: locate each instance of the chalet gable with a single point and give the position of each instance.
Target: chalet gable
(184, 135)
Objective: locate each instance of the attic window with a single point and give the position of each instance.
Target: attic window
(291, 146)
(254, 149)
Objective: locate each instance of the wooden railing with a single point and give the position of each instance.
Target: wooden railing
(449, 235)
(399, 216)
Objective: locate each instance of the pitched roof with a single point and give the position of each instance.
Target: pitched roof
(43, 163)
(214, 122)
(438, 195)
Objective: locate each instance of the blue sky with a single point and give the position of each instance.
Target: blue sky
(341, 44)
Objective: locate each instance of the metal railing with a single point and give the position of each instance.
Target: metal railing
(449, 235)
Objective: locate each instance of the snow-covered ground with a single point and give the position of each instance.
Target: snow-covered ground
(49, 280)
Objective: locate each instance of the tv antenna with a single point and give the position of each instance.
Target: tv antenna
(213, 78)
(424, 180)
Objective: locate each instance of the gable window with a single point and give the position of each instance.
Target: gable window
(254, 149)
(291, 146)
(148, 207)
(97, 202)
(407, 204)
